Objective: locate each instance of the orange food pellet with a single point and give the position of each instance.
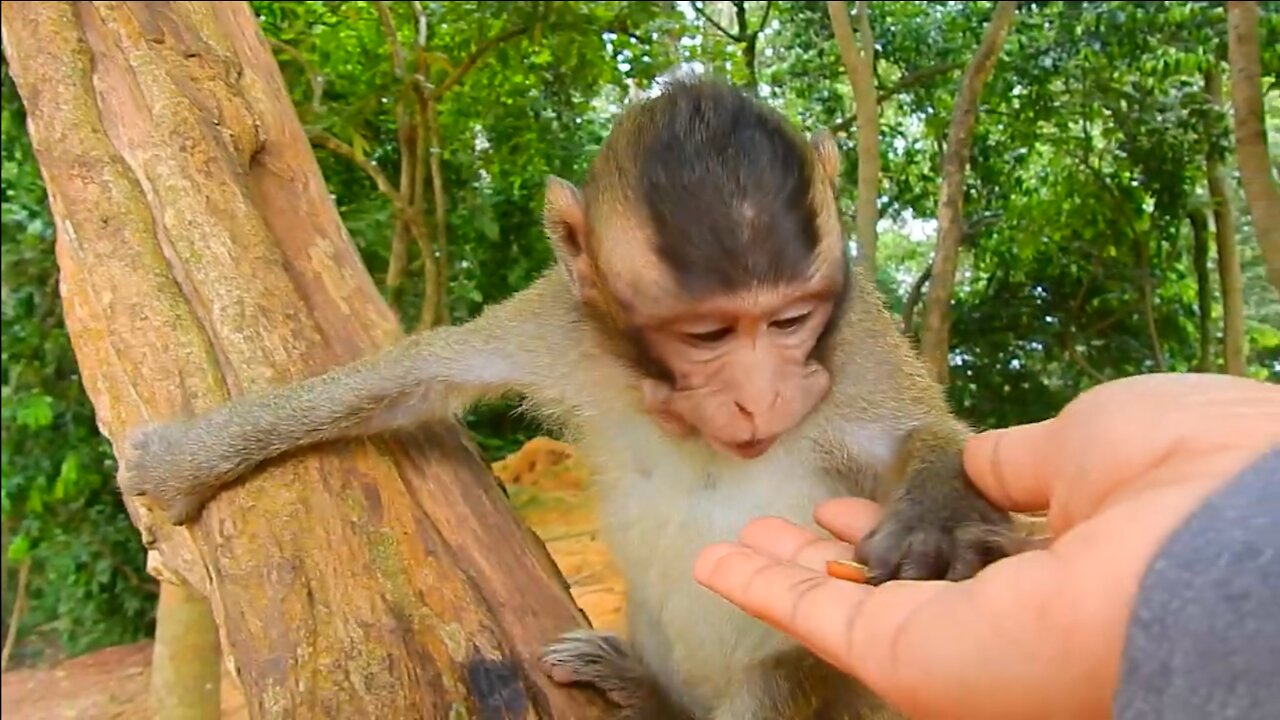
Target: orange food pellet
(847, 570)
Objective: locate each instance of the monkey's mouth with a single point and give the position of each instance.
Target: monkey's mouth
(753, 449)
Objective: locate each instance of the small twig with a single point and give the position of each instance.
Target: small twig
(1078, 359)
(764, 19)
(470, 62)
(393, 39)
(905, 83)
(15, 617)
(402, 210)
(420, 41)
(703, 14)
(314, 78)
(374, 172)
(913, 298)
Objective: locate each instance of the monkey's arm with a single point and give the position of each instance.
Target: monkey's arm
(527, 344)
(890, 414)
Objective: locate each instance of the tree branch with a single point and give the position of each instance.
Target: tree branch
(15, 616)
(469, 63)
(329, 142)
(315, 79)
(393, 39)
(918, 77)
(764, 19)
(703, 14)
(913, 298)
(911, 80)
(420, 14)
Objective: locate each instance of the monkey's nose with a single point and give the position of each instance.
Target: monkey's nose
(752, 410)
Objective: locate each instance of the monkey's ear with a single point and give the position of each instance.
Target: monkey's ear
(565, 220)
(828, 154)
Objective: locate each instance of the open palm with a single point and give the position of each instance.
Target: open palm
(1039, 634)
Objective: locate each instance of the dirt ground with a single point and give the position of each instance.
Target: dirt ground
(548, 488)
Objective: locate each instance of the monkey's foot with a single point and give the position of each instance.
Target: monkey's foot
(914, 541)
(599, 659)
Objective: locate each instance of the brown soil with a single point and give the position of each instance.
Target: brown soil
(549, 489)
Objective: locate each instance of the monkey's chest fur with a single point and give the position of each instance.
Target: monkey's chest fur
(661, 503)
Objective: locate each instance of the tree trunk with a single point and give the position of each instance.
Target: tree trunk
(201, 258)
(186, 675)
(1224, 235)
(1260, 188)
(1204, 287)
(859, 64)
(936, 330)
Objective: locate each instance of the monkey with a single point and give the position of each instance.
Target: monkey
(704, 337)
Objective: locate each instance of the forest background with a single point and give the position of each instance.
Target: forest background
(1090, 246)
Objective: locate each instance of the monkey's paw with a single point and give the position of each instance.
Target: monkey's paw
(145, 472)
(599, 659)
(919, 540)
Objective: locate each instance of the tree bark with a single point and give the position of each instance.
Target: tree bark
(936, 330)
(1260, 188)
(201, 258)
(186, 676)
(1224, 235)
(1204, 287)
(859, 64)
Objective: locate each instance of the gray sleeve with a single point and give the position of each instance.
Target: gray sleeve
(1204, 639)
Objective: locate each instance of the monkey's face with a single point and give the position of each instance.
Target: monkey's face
(707, 249)
(740, 368)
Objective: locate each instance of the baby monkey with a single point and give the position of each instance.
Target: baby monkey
(707, 344)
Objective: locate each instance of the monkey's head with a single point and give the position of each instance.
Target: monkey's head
(705, 245)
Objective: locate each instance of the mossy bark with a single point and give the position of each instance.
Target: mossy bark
(186, 676)
(200, 258)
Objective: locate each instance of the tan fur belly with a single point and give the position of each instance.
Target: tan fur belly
(657, 520)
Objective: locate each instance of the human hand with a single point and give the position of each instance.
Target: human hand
(1039, 634)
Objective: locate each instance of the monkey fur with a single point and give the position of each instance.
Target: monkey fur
(737, 201)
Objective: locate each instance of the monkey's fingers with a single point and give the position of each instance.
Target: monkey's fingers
(782, 540)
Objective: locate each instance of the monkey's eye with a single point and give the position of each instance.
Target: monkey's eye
(790, 323)
(710, 336)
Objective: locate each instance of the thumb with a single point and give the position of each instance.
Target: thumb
(1014, 467)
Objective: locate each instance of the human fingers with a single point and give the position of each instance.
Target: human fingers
(779, 539)
(848, 518)
(1014, 467)
(1114, 434)
(797, 600)
(926, 647)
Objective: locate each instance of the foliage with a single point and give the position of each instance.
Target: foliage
(60, 505)
(1088, 155)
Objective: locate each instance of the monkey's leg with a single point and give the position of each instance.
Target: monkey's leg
(605, 661)
(939, 525)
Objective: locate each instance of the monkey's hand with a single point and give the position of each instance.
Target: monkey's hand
(603, 661)
(170, 466)
(938, 530)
